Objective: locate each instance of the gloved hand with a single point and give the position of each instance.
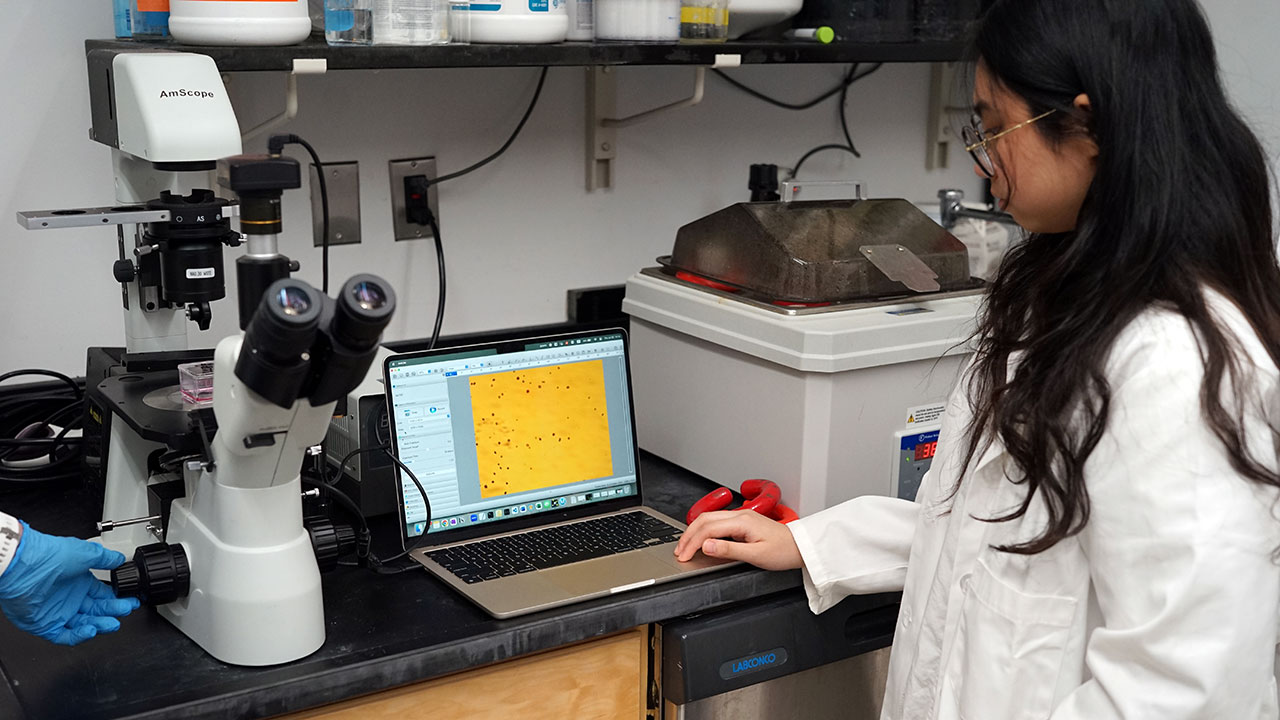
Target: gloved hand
(47, 590)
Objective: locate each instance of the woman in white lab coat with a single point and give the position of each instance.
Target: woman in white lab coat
(1097, 538)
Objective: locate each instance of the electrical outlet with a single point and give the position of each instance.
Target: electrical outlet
(596, 304)
(408, 168)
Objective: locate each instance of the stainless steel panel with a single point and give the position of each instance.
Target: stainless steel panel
(851, 689)
(342, 185)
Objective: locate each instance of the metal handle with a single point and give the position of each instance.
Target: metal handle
(109, 525)
(951, 210)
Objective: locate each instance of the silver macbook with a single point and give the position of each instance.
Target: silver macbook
(527, 452)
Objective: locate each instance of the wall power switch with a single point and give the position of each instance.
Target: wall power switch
(411, 187)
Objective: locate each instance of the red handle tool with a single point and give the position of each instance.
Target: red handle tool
(763, 496)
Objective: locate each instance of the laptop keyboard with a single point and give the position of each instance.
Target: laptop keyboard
(560, 545)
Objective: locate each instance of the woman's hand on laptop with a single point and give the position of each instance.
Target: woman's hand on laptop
(746, 536)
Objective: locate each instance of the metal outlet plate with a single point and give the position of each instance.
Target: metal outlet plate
(401, 169)
(342, 183)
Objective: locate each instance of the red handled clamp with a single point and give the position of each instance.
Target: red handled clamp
(763, 496)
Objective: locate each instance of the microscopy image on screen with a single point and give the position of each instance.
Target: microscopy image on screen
(541, 427)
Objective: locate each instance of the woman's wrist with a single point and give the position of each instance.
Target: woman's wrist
(10, 538)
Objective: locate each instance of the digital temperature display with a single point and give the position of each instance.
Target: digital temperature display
(916, 451)
(924, 451)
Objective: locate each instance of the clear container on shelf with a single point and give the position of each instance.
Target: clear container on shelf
(348, 22)
(149, 19)
(410, 22)
(704, 21)
(120, 11)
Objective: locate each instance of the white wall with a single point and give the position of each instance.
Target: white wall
(1245, 31)
(520, 231)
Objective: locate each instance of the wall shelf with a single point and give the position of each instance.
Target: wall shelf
(244, 59)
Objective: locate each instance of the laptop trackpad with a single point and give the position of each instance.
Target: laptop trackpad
(614, 571)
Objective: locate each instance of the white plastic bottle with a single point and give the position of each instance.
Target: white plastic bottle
(519, 21)
(239, 22)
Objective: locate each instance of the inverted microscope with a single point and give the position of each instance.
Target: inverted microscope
(207, 502)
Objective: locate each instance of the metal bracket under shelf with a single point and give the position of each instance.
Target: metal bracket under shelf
(944, 107)
(301, 66)
(602, 96)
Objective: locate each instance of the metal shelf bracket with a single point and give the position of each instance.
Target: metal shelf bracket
(301, 66)
(944, 109)
(602, 95)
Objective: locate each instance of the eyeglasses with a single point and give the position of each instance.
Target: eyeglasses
(976, 141)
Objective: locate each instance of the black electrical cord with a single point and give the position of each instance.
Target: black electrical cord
(362, 532)
(817, 150)
(844, 83)
(332, 480)
(435, 231)
(364, 557)
(425, 500)
(851, 76)
(23, 442)
(434, 224)
(75, 386)
(519, 126)
(32, 410)
(277, 143)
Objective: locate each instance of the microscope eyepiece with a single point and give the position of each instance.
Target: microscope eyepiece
(368, 295)
(363, 310)
(285, 325)
(293, 301)
(276, 355)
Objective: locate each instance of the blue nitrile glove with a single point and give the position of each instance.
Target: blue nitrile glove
(47, 590)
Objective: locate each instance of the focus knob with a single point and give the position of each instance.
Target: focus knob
(329, 541)
(158, 574)
(123, 270)
(126, 580)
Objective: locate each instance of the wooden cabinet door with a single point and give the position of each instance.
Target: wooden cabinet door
(605, 679)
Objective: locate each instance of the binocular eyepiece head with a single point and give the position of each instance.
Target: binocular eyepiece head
(300, 343)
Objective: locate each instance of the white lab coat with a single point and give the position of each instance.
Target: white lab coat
(1165, 606)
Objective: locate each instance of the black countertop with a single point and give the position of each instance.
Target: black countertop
(383, 631)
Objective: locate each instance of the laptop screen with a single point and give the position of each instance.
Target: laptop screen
(517, 429)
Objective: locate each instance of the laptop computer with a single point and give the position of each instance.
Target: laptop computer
(527, 451)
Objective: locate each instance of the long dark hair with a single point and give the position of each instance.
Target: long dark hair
(1180, 202)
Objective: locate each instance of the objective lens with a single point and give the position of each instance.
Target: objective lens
(368, 295)
(293, 300)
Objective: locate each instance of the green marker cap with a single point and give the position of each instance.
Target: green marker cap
(825, 35)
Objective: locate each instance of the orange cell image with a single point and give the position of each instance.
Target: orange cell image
(541, 427)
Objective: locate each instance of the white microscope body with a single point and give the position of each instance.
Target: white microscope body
(255, 587)
(157, 110)
(237, 570)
